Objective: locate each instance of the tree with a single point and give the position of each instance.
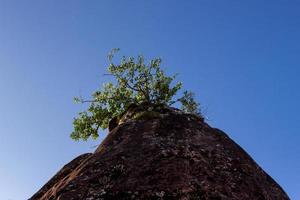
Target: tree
(136, 82)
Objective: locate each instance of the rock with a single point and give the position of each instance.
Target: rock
(113, 123)
(171, 156)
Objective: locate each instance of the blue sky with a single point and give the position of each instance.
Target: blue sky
(241, 58)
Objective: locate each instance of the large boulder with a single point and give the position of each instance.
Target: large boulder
(163, 153)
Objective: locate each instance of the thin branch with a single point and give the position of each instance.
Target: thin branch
(88, 101)
(94, 101)
(125, 81)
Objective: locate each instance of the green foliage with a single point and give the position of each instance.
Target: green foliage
(136, 82)
(188, 103)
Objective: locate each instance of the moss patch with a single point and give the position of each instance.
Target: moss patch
(146, 115)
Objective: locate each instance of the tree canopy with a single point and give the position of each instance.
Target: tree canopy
(136, 82)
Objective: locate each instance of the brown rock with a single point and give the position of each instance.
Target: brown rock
(170, 156)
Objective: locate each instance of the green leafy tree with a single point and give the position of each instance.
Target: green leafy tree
(136, 82)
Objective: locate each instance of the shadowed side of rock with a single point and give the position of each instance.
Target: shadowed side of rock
(167, 156)
(49, 190)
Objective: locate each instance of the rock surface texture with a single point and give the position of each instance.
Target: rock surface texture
(163, 153)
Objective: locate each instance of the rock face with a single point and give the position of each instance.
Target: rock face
(163, 154)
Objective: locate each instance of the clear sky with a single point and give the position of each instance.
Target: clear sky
(241, 58)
